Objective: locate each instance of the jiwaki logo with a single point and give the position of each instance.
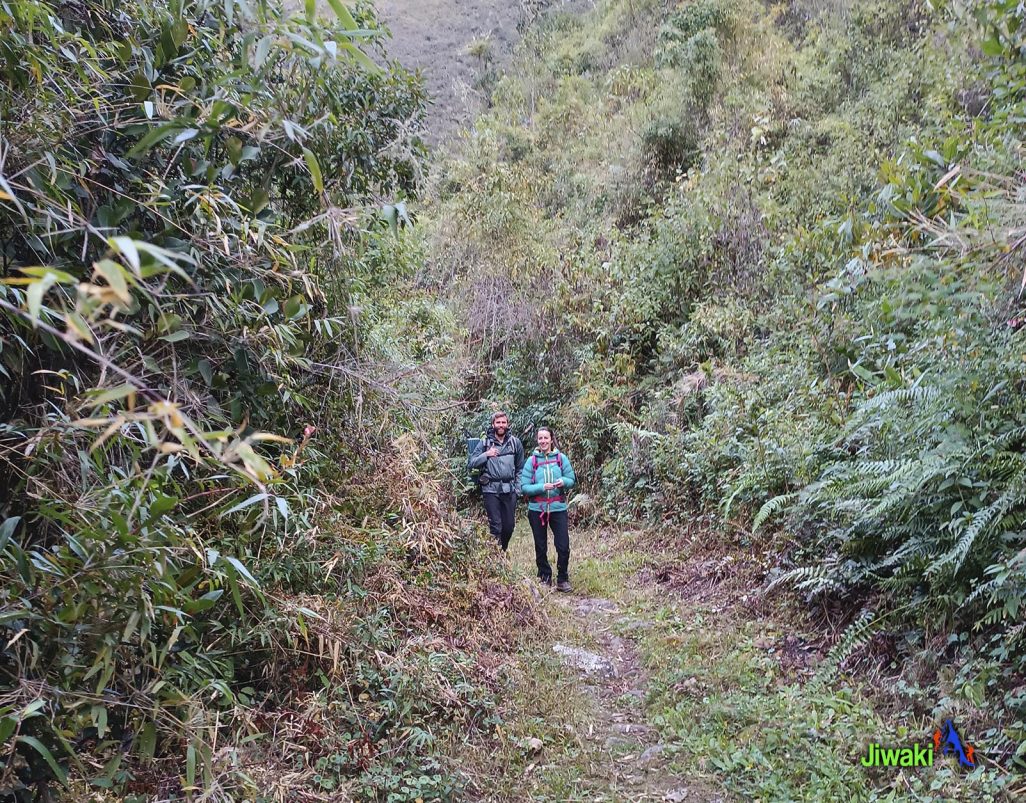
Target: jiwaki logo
(945, 740)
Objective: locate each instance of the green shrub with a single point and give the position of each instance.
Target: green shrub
(188, 210)
(692, 18)
(671, 146)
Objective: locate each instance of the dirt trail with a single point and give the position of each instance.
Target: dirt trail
(633, 762)
(628, 763)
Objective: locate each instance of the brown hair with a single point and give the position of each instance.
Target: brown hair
(551, 435)
(498, 414)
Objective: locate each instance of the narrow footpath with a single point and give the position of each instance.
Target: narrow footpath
(592, 687)
(632, 758)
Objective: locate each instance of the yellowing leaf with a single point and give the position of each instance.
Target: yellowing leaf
(114, 394)
(40, 272)
(114, 275)
(268, 436)
(107, 434)
(78, 328)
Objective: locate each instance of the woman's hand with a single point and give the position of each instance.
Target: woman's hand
(549, 486)
(557, 484)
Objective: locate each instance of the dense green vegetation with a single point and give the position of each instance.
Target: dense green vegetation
(759, 264)
(767, 262)
(216, 570)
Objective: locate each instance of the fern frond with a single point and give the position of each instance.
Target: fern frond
(892, 398)
(857, 635)
(812, 579)
(980, 523)
(911, 550)
(770, 507)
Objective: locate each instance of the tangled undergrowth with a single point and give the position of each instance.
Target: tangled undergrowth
(225, 572)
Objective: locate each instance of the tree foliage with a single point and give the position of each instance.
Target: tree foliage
(188, 194)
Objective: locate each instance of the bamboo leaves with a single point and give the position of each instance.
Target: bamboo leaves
(46, 755)
(343, 14)
(315, 169)
(154, 334)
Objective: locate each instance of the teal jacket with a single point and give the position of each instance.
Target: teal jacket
(550, 468)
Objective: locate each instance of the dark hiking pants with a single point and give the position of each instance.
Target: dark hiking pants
(557, 522)
(501, 510)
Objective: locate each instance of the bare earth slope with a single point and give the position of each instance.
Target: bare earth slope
(435, 36)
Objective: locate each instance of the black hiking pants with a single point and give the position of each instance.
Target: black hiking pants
(557, 522)
(501, 510)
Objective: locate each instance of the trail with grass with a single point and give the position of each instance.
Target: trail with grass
(588, 730)
(600, 648)
(668, 675)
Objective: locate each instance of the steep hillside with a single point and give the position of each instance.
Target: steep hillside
(460, 48)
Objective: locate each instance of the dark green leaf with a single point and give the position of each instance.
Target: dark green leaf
(153, 137)
(7, 530)
(47, 756)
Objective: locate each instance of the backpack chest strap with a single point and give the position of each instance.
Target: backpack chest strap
(535, 463)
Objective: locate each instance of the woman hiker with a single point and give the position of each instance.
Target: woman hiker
(546, 477)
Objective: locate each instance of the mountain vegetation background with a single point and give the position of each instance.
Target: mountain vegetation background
(759, 264)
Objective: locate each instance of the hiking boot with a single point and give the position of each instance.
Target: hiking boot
(564, 586)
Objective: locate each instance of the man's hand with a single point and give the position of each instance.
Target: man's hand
(493, 452)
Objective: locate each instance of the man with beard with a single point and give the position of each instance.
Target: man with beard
(500, 458)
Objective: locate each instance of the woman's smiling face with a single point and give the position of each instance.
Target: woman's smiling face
(544, 440)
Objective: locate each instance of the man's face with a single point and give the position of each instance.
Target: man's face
(500, 425)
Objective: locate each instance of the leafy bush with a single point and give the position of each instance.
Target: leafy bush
(671, 145)
(192, 344)
(692, 18)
